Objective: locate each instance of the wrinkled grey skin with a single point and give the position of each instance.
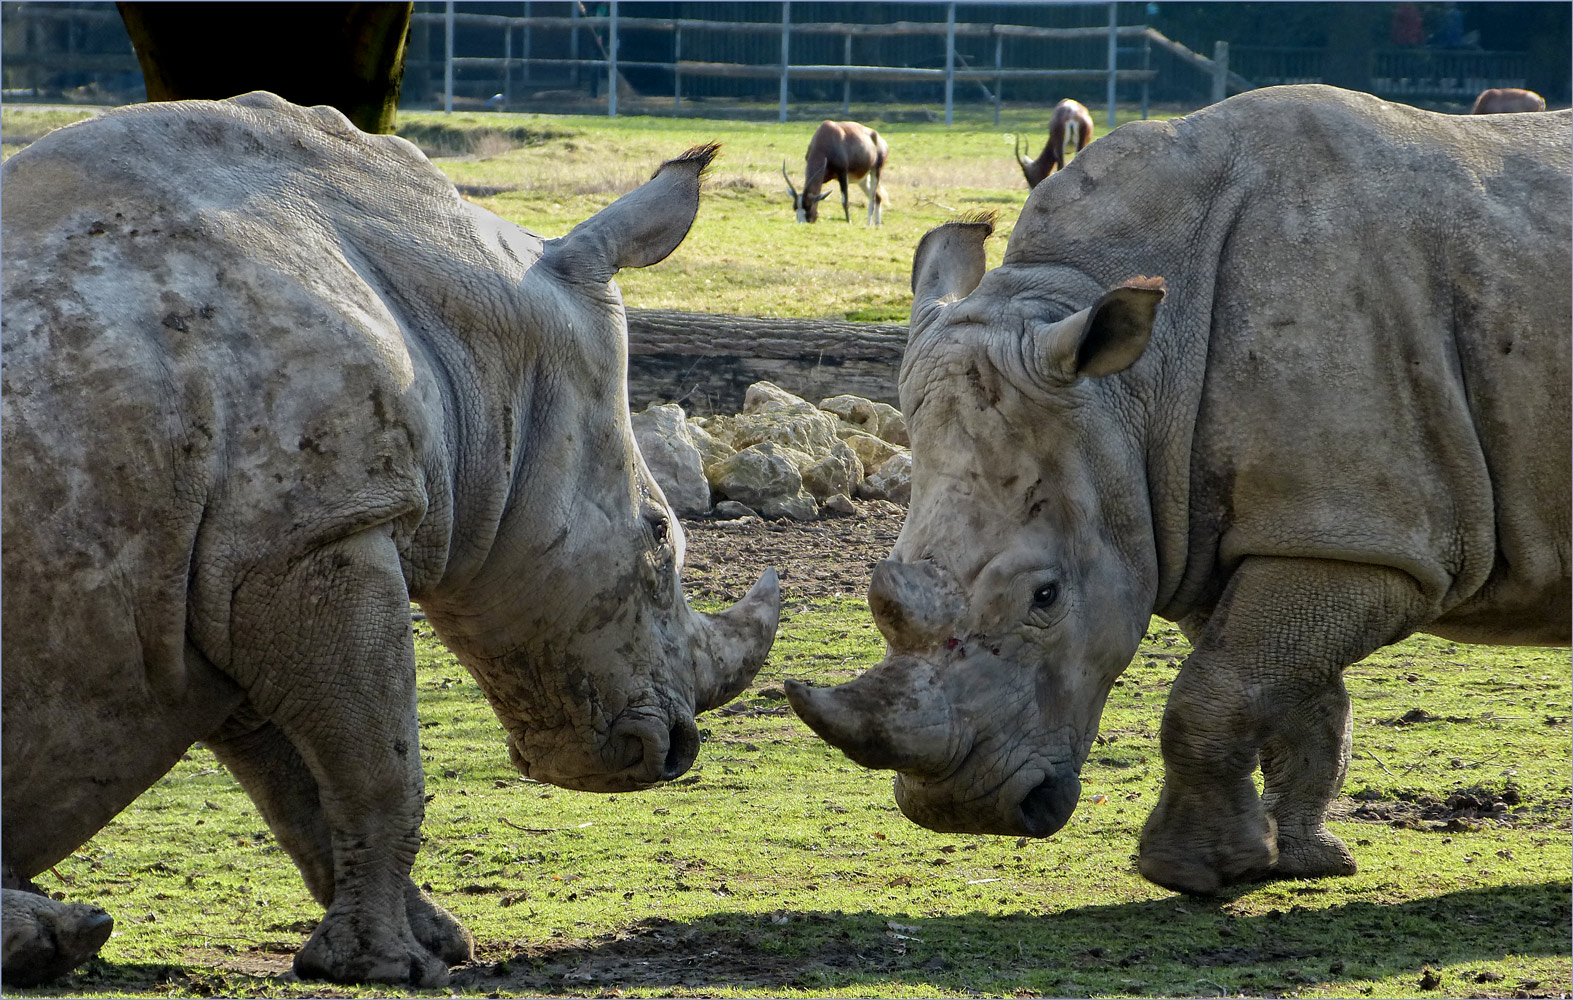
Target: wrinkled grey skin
(1347, 421)
(45, 938)
(267, 379)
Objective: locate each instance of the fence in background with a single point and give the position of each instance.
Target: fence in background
(538, 54)
(1403, 74)
(552, 57)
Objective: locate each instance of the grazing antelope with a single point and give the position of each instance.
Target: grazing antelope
(1501, 100)
(1070, 128)
(840, 151)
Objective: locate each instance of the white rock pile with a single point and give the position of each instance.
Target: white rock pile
(782, 457)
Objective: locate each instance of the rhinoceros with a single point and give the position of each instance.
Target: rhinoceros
(1347, 421)
(268, 379)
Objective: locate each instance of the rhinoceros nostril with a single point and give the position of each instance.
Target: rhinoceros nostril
(681, 749)
(1048, 806)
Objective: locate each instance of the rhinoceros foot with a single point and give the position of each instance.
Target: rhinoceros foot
(346, 948)
(1316, 854)
(45, 938)
(438, 930)
(1201, 847)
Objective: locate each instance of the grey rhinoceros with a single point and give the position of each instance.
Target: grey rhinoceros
(1347, 421)
(267, 380)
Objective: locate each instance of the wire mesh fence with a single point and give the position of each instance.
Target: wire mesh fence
(789, 58)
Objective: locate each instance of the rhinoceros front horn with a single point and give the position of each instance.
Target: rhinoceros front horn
(737, 641)
(916, 605)
(895, 716)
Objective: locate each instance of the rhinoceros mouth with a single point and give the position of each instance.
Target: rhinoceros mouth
(1003, 810)
(635, 755)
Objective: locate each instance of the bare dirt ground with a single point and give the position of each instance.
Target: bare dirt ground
(815, 560)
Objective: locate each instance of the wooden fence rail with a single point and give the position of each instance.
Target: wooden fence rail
(956, 68)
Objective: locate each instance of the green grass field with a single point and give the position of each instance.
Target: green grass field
(746, 254)
(778, 868)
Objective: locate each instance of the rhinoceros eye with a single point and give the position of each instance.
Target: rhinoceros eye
(1046, 595)
(659, 528)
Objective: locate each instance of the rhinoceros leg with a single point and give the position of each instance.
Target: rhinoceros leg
(271, 771)
(324, 650)
(1304, 761)
(1266, 679)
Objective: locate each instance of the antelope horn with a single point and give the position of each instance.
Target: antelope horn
(788, 179)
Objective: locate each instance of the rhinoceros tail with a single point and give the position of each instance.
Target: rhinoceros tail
(703, 155)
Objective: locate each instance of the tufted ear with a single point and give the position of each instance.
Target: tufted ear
(950, 260)
(1106, 338)
(638, 229)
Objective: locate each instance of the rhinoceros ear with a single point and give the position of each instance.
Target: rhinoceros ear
(1106, 338)
(638, 229)
(950, 260)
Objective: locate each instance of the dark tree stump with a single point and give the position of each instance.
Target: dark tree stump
(706, 361)
(346, 55)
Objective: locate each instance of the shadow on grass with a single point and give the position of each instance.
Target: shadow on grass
(1173, 946)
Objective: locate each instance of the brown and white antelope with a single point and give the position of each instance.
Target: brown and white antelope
(1070, 129)
(1502, 100)
(840, 151)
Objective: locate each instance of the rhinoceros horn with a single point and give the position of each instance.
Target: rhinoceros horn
(737, 641)
(894, 716)
(916, 605)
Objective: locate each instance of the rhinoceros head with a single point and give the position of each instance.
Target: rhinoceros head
(1022, 580)
(574, 621)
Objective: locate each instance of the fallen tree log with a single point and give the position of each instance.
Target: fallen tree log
(707, 361)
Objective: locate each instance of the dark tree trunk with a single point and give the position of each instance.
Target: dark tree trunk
(1352, 31)
(346, 55)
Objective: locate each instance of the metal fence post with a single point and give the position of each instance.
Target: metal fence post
(507, 65)
(999, 81)
(573, 44)
(677, 74)
(950, 60)
(846, 81)
(447, 61)
(1146, 65)
(611, 65)
(1220, 71)
(1114, 54)
(786, 47)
